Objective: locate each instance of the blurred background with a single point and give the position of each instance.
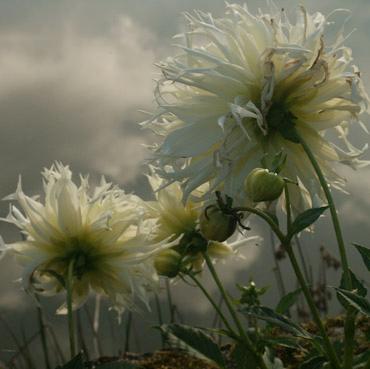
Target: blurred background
(73, 77)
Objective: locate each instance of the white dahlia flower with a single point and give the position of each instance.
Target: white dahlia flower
(101, 230)
(238, 84)
(178, 221)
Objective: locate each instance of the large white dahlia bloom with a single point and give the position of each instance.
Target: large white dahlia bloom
(228, 98)
(100, 229)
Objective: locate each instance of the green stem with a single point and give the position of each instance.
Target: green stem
(213, 303)
(170, 303)
(333, 212)
(350, 318)
(40, 317)
(71, 325)
(128, 332)
(332, 356)
(160, 317)
(265, 217)
(232, 312)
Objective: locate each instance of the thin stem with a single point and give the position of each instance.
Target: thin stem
(228, 303)
(71, 325)
(128, 331)
(40, 318)
(170, 303)
(303, 261)
(213, 303)
(332, 356)
(333, 211)
(350, 318)
(160, 317)
(265, 217)
(279, 275)
(288, 208)
(80, 335)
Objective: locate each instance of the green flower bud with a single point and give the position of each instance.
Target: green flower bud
(215, 225)
(262, 185)
(167, 263)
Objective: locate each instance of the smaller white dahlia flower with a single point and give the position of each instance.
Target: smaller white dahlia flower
(179, 222)
(100, 230)
(238, 85)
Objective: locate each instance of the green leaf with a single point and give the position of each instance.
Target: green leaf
(288, 301)
(269, 315)
(355, 300)
(365, 254)
(195, 341)
(78, 362)
(315, 362)
(305, 219)
(289, 342)
(278, 162)
(118, 365)
(359, 361)
(243, 358)
(356, 285)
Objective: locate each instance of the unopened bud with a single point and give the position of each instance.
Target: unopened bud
(216, 225)
(167, 263)
(262, 185)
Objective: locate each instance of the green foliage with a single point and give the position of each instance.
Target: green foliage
(356, 285)
(79, 362)
(361, 360)
(288, 301)
(305, 219)
(315, 362)
(354, 299)
(194, 340)
(243, 357)
(117, 365)
(250, 294)
(365, 254)
(274, 318)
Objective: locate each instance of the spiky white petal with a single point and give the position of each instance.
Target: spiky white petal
(216, 94)
(101, 229)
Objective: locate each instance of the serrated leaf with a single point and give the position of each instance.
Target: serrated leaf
(195, 341)
(305, 219)
(269, 315)
(365, 254)
(118, 365)
(78, 362)
(288, 301)
(355, 300)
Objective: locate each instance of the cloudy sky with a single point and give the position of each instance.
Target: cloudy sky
(74, 76)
